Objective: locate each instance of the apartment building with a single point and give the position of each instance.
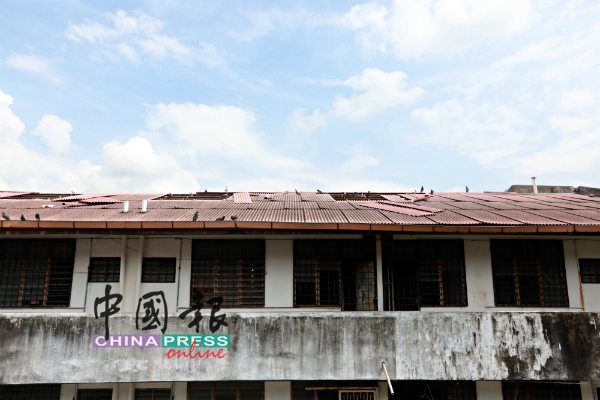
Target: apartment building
(303, 296)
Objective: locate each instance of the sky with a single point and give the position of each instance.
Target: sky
(183, 96)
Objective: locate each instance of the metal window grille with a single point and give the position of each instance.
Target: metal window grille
(300, 392)
(419, 273)
(160, 270)
(540, 391)
(250, 390)
(590, 270)
(529, 273)
(104, 269)
(30, 392)
(335, 273)
(449, 390)
(152, 394)
(36, 272)
(231, 269)
(94, 394)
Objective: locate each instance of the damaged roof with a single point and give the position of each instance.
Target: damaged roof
(303, 210)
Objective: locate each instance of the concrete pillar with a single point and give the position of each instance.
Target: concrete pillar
(279, 390)
(379, 273)
(489, 390)
(138, 280)
(279, 266)
(185, 275)
(124, 391)
(572, 270)
(478, 273)
(180, 391)
(123, 263)
(68, 391)
(383, 388)
(80, 273)
(587, 391)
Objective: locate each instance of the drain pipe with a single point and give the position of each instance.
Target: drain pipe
(138, 281)
(535, 192)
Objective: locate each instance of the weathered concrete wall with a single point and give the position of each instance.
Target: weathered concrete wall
(40, 348)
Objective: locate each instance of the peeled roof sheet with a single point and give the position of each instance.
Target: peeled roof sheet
(404, 219)
(411, 205)
(100, 200)
(85, 196)
(366, 216)
(242, 197)
(463, 205)
(395, 209)
(11, 194)
(452, 218)
(528, 217)
(487, 217)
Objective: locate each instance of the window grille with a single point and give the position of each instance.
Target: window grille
(30, 392)
(161, 270)
(36, 272)
(299, 391)
(529, 273)
(94, 394)
(104, 269)
(152, 394)
(231, 269)
(540, 391)
(249, 390)
(443, 390)
(590, 270)
(418, 273)
(335, 273)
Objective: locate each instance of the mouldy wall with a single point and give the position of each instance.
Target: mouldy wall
(47, 348)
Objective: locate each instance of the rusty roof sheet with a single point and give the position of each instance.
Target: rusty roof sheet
(101, 200)
(464, 205)
(452, 218)
(397, 209)
(566, 217)
(528, 218)
(12, 194)
(411, 205)
(488, 217)
(404, 219)
(84, 196)
(325, 216)
(366, 216)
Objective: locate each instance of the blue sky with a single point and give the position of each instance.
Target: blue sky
(183, 96)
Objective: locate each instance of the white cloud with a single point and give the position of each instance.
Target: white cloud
(382, 90)
(134, 34)
(431, 28)
(300, 121)
(35, 64)
(55, 132)
(576, 99)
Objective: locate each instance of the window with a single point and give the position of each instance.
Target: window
(30, 392)
(326, 390)
(418, 273)
(161, 270)
(529, 273)
(231, 269)
(94, 394)
(249, 390)
(104, 269)
(590, 270)
(152, 394)
(446, 390)
(36, 272)
(540, 391)
(335, 273)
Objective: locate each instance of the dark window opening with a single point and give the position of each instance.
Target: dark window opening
(161, 270)
(36, 272)
(30, 392)
(540, 391)
(152, 394)
(529, 273)
(335, 273)
(300, 392)
(421, 273)
(590, 270)
(104, 269)
(231, 269)
(443, 390)
(250, 390)
(94, 394)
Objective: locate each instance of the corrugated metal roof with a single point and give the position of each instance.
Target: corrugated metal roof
(396, 209)
(85, 196)
(411, 205)
(528, 218)
(488, 217)
(452, 218)
(4, 195)
(242, 197)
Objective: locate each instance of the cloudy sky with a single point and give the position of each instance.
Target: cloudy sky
(182, 96)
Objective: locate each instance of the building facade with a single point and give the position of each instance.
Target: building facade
(279, 296)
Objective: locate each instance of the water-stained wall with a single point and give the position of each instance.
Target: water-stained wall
(43, 348)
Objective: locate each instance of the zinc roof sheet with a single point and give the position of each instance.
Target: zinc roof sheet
(395, 209)
(366, 216)
(464, 205)
(404, 219)
(528, 217)
(12, 194)
(566, 217)
(242, 197)
(595, 215)
(324, 216)
(85, 196)
(452, 218)
(488, 217)
(411, 205)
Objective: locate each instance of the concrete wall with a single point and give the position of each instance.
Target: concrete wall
(57, 348)
(279, 280)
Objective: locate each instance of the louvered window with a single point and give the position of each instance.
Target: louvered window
(245, 390)
(529, 273)
(104, 269)
(231, 269)
(590, 270)
(36, 272)
(420, 273)
(443, 390)
(335, 273)
(30, 392)
(541, 391)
